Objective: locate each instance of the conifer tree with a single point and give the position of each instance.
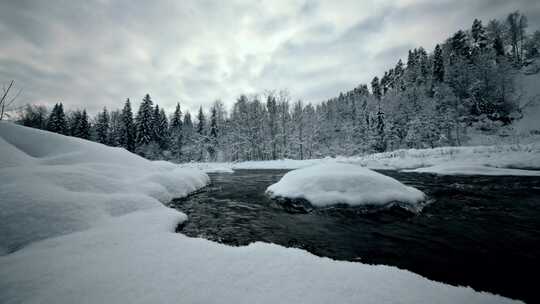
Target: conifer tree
(213, 136)
(57, 120)
(127, 131)
(161, 130)
(438, 64)
(176, 133)
(201, 134)
(145, 122)
(478, 33)
(376, 88)
(84, 126)
(102, 127)
(74, 121)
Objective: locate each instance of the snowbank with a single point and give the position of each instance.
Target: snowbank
(139, 259)
(504, 156)
(106, 238)
(499, 156)
(52, 184)
(472, 169)
(338, 183)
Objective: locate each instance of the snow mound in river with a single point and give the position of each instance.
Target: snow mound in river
(52, 184)
(339, 183)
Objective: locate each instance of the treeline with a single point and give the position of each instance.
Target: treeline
(432, 100)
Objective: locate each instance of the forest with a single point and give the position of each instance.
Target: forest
(432, 99)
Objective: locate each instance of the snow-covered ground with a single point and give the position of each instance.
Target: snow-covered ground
(338, 183)
(472, 169)
(93, 230)
(52, 185)
(479, 159)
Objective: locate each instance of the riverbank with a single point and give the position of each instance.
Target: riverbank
(480, 160)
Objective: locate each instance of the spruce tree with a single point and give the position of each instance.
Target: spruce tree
(161, 130)
(84, 126)
(145, 122)
(478, 33)
(498, 46)
(201, 136)
(376, 88)
(74, 123)
(175, 131)
(438, 64)
(188, 136)
(460, 45)
(102, 127)
(57, 120)
(213, 136)
(127, 128)
(271, 106)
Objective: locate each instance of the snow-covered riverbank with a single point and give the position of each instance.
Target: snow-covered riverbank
(492, 160)
(90, 228)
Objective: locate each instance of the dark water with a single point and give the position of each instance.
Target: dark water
(482, 232)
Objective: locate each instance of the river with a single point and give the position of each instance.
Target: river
(479, 231)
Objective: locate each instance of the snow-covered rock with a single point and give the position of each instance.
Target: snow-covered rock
(339, 183)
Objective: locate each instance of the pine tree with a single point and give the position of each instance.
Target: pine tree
(176, 134)
(74, 122)
(155, 123)
(213, 136)
(299, 129)
(460, 45)
(84, 126)
(376, 88)
(498, 46)
(102, 127)
(115, 128)
(145, 122)
(161, 129)
(271, 106)
(380, 138)
(188, 133)
(438, 64)
(127, 128)
(478, 33)
(201, 134)
(57, 120)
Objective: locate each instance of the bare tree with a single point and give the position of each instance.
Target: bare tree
(7, 98)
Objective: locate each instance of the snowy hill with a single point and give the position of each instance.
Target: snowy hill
(105, 238)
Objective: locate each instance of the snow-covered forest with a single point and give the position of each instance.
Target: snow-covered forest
(433, 98)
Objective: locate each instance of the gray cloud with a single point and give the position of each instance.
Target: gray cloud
(96, 53)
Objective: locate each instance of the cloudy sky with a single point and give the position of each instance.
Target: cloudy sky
(96, 53)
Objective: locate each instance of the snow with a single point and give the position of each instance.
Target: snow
(509, 157)
(138, 259)
(529, 92)
(503, 156)
(339, 183)
(52, 184)
(471, 169)
(93, 229)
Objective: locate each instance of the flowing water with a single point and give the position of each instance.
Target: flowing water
(479, 231)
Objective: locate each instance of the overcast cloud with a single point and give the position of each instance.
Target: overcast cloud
(97, 53)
